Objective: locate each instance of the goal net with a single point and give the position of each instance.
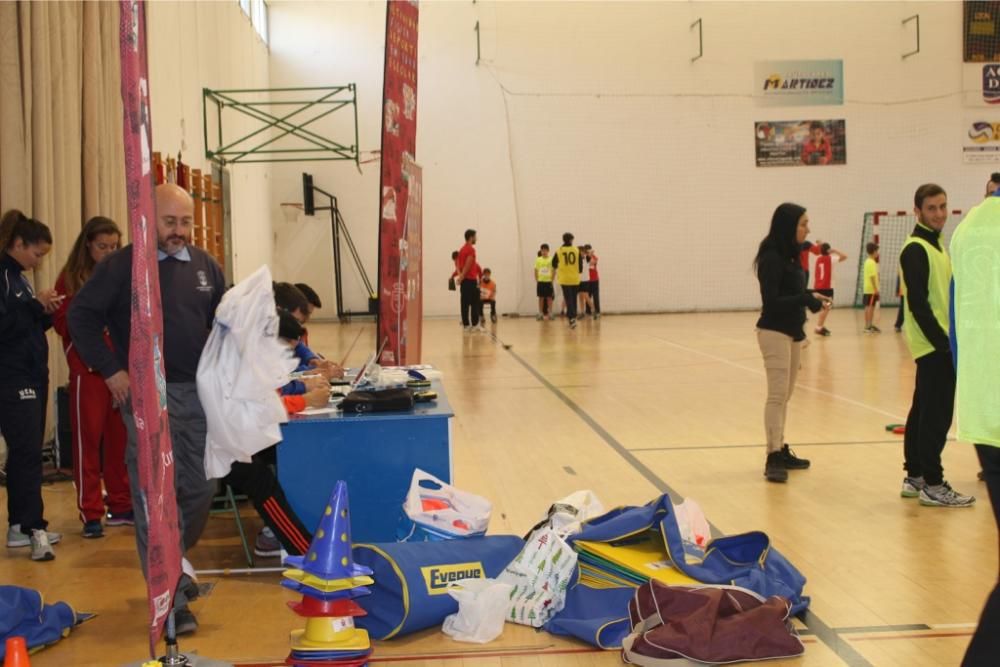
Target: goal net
(890, 231)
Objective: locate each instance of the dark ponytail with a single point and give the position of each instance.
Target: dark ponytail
(16, 225)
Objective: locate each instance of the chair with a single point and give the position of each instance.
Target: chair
(228, 501)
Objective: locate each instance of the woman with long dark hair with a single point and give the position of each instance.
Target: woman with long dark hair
(93, 415)
(780, 329)
(24, 378)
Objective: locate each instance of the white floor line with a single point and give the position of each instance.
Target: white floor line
(798, 385)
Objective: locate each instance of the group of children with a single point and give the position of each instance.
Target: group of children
(575, 269)
(823, 281)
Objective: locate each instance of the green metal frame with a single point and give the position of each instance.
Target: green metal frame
(326, 149)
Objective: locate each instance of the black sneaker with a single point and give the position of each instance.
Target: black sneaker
(774, 468)
(791, 461)
(93, 529)
(184, 621)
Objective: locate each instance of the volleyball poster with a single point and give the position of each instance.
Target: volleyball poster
(981, 141)
(800, 143)
(399, 146)
(145, 364)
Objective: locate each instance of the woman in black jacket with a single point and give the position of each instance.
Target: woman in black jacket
(24, 378)
(780, 328)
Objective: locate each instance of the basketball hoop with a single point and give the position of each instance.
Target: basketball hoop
(291, 211)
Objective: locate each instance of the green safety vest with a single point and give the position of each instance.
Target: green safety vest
(937, 294)
(975, 249)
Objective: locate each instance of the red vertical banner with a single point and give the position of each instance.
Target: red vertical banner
(396, 320)
(147, 380)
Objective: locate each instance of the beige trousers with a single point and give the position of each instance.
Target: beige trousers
(781, 364)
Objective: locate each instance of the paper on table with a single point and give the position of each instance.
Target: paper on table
(329, 410)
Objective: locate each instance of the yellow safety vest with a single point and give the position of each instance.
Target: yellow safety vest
(568, 272)
(937, 295)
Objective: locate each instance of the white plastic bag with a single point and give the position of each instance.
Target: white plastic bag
(539, 576)
(482, 610)
(692, 523)
(566, 514)
(435, 510)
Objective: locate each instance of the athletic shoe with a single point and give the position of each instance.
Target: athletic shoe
(868, 330)
(93, 529)
(266, 545)
(898, 329)
(184, 621)
(822, 331)
(40, 547)
(979, 476)
(791, 461)
(597, 316)
(466, 328)
(774, 468)
(481, 328)
(16, 539)
(539, 317)
(943, 495)
(120, 518)
(572, 324)
(912, 486)
(493, 318)
(875, 329)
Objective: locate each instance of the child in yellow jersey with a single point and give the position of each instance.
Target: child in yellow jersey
(543, 282)
(871, 291)
(567, 266)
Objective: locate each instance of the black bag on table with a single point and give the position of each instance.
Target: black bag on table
(387, 400)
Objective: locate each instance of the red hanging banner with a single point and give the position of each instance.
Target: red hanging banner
(147, 380)
(398, 320)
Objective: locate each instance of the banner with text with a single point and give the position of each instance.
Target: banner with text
(147, 381)
(797, 143)
(787, 83)
(399, 145)
(981, 141)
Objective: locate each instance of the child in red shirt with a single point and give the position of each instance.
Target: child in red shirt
(824, 281)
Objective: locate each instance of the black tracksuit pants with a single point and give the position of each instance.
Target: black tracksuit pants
(22, 424)
(470, 303)
(258, 481)
(930, 417)
(985, 645)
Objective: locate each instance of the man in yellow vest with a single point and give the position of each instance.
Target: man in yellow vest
(926, 275)
(976, 332)
(567, 266)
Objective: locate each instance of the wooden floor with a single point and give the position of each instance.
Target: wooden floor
(627, 406)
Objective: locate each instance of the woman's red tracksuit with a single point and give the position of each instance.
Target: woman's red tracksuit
(93, 419)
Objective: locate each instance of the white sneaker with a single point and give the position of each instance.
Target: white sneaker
(17, 539)
(943, 495)
(539, 317)
(40, 547)
(912, 487)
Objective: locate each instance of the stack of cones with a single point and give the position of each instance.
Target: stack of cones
(329, 581)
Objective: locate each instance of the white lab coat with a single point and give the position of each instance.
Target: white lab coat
(241, 368)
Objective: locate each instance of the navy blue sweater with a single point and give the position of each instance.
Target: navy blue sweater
(24, 351)
(189, 294)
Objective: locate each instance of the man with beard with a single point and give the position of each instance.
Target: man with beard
(191, 286)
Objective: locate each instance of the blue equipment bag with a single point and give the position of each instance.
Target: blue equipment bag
(24, 614)
(410, 592)
(598, 616)
(746, 559)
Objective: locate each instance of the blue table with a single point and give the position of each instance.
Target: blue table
(374, 453)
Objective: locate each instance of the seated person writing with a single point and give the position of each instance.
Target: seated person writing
(289, 298)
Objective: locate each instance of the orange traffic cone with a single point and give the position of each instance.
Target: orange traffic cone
(17, 653)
